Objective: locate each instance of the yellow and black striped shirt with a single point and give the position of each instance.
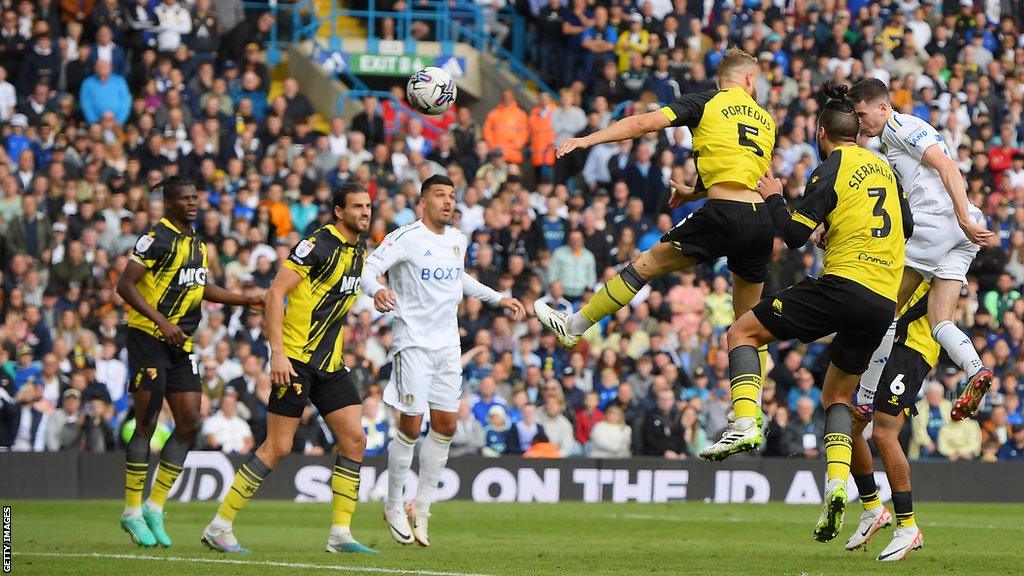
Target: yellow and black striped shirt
(857, 196)
(733, 137)
(913, 330)
(174, 281)
(314, 318)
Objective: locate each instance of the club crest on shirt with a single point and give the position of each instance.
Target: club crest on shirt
(304, 248)
(144, 243)
(456, 250)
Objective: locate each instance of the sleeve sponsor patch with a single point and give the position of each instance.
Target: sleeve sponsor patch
(144, 243)
(304, 248)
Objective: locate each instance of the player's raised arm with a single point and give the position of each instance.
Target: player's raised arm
(389, 253)
(953, 182)
(624, 129)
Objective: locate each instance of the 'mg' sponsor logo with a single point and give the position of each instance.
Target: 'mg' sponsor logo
(192, 277)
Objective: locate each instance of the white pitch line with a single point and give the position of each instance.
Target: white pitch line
(734, 520)
(300, 565)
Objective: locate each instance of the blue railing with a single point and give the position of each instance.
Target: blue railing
(273, 45)
(452, 21)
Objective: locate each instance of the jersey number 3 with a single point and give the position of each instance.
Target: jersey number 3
(745, 132)
(879, 195)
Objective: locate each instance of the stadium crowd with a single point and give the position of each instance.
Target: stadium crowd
(100, 100)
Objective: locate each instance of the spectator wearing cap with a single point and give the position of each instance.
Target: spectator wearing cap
(496, 432)
(65, 427)
(634, 40)
(27, 371)
(574, 396)
(105, 92)
(225, 430)
(1013, 449)
(16, 141)
(30, 233)
(506, 128)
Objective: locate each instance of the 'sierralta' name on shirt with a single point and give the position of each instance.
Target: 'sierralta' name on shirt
(746, 110)
(867, 170)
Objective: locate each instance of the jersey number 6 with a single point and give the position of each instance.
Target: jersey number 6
(879, 195)
(745, 132)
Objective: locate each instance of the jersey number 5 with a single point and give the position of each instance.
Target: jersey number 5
(745, 132)
(879, 195)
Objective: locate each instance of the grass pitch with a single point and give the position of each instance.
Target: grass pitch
(84, 537)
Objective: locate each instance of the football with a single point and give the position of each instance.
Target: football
(431, 91)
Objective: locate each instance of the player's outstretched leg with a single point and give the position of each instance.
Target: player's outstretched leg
(838, 452)
(615, 294)
(219, 533)
(400, 454)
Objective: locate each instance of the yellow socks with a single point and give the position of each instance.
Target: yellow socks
(345, 485)
(247, 481)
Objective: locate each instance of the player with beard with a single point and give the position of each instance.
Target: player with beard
(320, 280)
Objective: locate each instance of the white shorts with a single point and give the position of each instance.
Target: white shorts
(939, 248)
(423, 380)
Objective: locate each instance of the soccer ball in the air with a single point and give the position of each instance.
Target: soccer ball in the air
(431, 91)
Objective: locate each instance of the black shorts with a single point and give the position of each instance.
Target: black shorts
(817, 307)
(157, 366)
(901, 381)
(328, 391)
(743, 232)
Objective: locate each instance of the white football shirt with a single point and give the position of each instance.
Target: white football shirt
(426, 272)
(905, 139)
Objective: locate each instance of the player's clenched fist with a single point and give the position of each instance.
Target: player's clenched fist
(515, 307)
(384, 300)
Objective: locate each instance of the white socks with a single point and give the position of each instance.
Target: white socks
(578, 323)
(399, 460)
(433, 457)
(342, 534)
(869, 380)
(153, 507)
(959, 347)
(220, 524)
